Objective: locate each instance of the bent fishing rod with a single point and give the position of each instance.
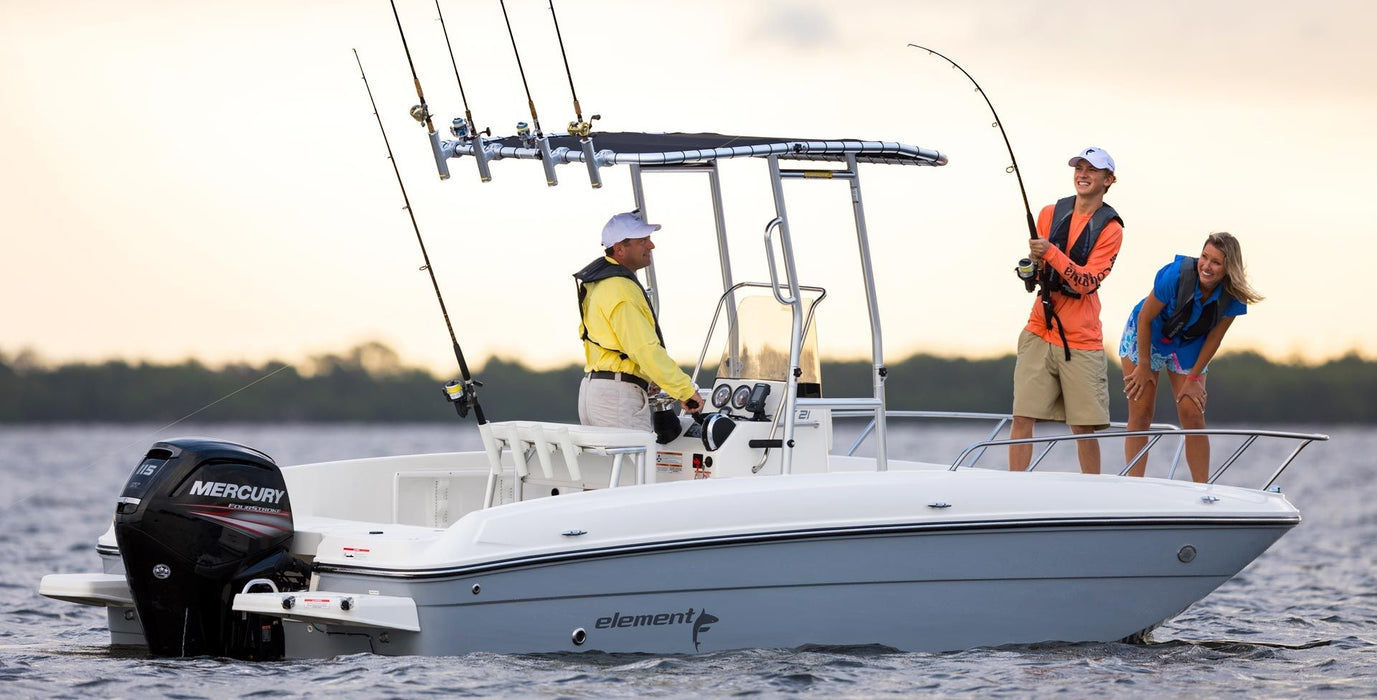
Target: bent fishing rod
(463, 393)
(1013, 167)
(1026, 269)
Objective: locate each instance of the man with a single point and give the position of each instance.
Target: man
(624, 351)
(1060, 371)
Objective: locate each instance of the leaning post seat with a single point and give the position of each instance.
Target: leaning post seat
(570, 441)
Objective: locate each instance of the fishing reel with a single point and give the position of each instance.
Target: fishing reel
(420, 113)
(463, 130)
(582, 129)
(523, 132)
(463, 393)
(1027, 271)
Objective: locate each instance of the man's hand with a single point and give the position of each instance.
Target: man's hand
(1037, 247)
(692, 404)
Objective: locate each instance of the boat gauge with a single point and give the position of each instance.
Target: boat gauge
(721, 395)
(742, 395)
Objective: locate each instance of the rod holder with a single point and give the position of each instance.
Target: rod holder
(590, 160)
(435, 150)
(480, 155)
(547, 161)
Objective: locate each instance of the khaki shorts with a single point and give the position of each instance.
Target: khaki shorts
(1047, 387)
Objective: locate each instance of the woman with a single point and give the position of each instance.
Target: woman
(1192, 304)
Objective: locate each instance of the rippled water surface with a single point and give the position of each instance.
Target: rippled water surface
(1301, 621)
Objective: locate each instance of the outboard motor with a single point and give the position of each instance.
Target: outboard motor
(197, 521)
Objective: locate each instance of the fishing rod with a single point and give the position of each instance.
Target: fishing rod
(1013, 168)
(578, 127)
(1027, 269)
(462, 95)
(420, 112)
(538, 138)
(465, 128)
(463, 393)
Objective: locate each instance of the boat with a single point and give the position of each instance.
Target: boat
(748, 527)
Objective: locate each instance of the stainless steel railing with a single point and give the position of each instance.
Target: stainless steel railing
(1250, 436)
(1157, 431)
(1000, 420)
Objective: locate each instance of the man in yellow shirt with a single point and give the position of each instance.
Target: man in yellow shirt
(624, 351)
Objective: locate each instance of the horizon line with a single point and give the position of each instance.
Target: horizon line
(33, 358)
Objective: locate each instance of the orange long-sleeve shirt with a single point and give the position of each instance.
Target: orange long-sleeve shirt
(1081, 317)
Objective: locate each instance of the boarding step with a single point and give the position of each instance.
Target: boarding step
(331, 608)
(107, 590)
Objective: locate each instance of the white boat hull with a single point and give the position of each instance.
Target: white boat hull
(923, 590)
(919, 559)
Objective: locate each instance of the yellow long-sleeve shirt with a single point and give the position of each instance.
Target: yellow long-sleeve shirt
(618, 319)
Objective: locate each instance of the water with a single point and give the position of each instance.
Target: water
(1299, 622)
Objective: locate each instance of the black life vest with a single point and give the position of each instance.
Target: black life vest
(601, 269)
(1186, 284)
(1079, 253)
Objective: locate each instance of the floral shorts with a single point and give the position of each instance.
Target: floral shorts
(1128, 348)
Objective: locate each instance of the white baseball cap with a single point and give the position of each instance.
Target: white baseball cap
(626, 225)
(1097, 157)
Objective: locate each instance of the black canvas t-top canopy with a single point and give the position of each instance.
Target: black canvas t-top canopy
(614, 148)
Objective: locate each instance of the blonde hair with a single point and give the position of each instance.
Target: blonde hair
(1235, 275)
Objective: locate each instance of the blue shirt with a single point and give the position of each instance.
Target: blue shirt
(1164, 288)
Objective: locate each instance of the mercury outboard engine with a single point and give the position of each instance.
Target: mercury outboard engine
(198, 520)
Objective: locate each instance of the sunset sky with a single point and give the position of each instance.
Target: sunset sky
(206, 179)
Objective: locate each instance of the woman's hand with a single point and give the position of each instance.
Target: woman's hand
(1140, 382)
(1194, 391)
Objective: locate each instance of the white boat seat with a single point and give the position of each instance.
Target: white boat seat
(544, 439)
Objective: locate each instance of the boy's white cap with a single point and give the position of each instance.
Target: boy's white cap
(1097, 157)
(626, 225)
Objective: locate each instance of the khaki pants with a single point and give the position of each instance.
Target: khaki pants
(613, 404)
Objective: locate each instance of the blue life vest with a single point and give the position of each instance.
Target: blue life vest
(1187, 282)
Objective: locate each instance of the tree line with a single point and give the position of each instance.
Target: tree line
(369, 384)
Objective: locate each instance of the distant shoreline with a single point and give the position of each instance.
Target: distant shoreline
(369, 384)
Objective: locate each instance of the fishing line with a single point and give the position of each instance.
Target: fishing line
(1028, 273)
(145, 437)
(463, 394)
(534, 119)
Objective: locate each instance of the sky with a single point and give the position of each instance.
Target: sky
(207, 179)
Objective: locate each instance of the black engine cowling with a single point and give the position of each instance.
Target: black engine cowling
(199, 519)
